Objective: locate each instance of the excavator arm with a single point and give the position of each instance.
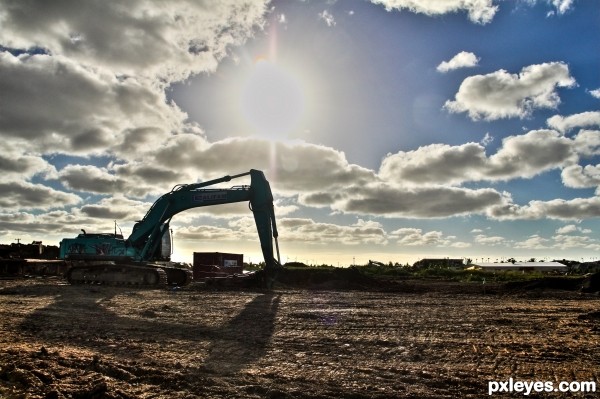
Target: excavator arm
(147, 233)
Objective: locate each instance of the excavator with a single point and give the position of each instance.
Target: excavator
(107, 258)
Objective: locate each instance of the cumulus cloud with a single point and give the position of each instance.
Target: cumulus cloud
(595, 93)
(305, 230)
(54, 104)
(28, 196)
(296, 230)
(134, 179)
(566, 123)
(534, 242)
(90, 179)
(501, 95)
(573, 209)
(168, 40)
(57, 222)
(530, 154)
(208, 233)
(571, 228)
(80, 86)
(489, 240)
(563, 241)
(17, 165)
(463, 59)
(577, 176)
(562, 6)
(295, 167)
(587, 142)
(421, 202)
(416, 237)
(520, 156)
(116, 208)
(479, 11)
(434, 164)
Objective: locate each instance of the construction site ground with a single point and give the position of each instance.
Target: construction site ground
(417, 339)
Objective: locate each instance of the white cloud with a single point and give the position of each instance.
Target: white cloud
(116, 208)
(530, 154)
(595, 93)
(327, 17)
(480, 11)
(98, 89)
(587, 142)
(89, 178)
(302, 230)
(489, 240)
(577, 176)
(563, 241)
(502, 95)
(520, 156)
(54, 104)
(206, 233)
(27, 196)
(561, 209)
(55, 222)
(422, 202)
(461, 60)
(571, 228)
(562, 6)
(534, 242)
(416, 237)
(16, 165)
(292, 167)
(168, 40)
(434, 164)
(566, 123)
(487, 140)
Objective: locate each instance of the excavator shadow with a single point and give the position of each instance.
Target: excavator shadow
(79, 318)
(245, 338)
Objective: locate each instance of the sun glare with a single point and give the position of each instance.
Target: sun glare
(272, 100)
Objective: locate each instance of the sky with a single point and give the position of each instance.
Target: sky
(390, 130)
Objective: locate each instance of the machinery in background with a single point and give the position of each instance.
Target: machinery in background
(100, 258)
(35, 259)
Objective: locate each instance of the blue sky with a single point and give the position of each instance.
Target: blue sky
(390, 130)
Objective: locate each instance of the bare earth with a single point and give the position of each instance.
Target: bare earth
(67, 341)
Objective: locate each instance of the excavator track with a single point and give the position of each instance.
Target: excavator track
(148, 276)
(178, 276)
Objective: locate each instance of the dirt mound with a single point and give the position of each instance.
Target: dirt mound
(589, 284)
(552, 283)
(325, 278)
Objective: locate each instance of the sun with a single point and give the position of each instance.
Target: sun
(272, 100)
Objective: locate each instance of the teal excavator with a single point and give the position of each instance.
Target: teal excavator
(107, 258)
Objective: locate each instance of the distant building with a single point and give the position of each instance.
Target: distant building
(438, 262)
(522, 266)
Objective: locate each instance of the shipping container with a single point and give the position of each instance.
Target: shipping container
(217, 264)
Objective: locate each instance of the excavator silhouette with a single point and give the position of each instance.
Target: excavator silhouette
(101, 258)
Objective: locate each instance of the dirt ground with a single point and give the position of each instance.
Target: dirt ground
(62, 341)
